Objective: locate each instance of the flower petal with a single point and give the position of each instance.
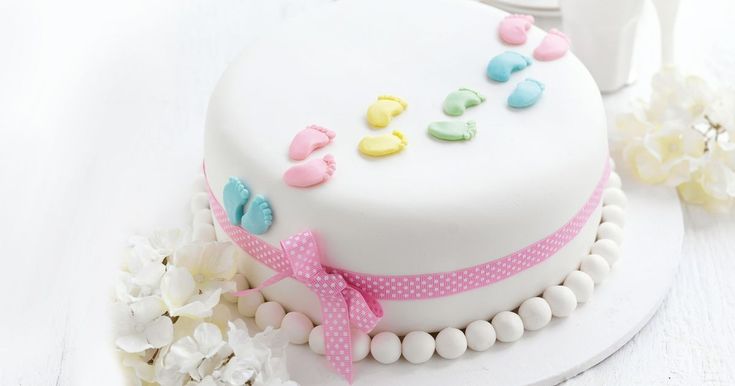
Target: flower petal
(177, 286)
(209, 339)
(160, 332)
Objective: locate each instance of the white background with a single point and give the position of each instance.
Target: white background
(101, 113)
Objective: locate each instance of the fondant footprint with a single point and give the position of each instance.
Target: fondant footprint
(381, 145)
(514, 28)
(453, 130)
(458, 101)
(235, 196)
(554, 46)
(306, 141)
(526, 94)
(502, 65)
(381, 112)
(259, 216)
(310, 173)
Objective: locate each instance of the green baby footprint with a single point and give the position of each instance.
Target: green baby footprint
(458, 101)
(453, 130)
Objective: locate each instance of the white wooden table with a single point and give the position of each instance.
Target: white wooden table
(101, 112)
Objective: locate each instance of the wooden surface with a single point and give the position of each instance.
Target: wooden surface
(101, 112)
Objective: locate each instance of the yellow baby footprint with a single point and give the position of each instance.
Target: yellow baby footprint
(381, 145)
(381, 112)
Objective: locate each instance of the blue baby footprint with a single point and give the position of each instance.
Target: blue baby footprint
(526, 94)
(235, 196)
(502, 65)
(259, 216)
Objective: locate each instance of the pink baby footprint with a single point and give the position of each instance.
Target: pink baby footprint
(310, 173)
(514, 28)
(554, 46)
(308, 140)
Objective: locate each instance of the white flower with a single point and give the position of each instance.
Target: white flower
(160, 245)
(141, 369)
(200, 354)
(263, 354)
(182, 297)
(141, 325)
(168, 376)
(684, 137)
(144, 281)
(211, 264)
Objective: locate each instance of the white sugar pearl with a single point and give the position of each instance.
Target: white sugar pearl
(610, 231)
(297, 327)
(248, 304)
(241, 283)
(360, 344)
(199, 201)
(596, 267)
(316, 340)
(480, 335)
(418, 347)
(386, 347)
(614, 181)
(613, 214)
(203, 216)
(614, 196)
(561, 300)
(269, 314)
(508, 326)
(581, 284)
(608, 249)
(199, 184)
(450, 343)
(535, 313)
(203, 232)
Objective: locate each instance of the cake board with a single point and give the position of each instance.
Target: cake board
(620, 307)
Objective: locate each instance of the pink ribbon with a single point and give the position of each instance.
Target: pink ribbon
(351, 297)
(341, 304)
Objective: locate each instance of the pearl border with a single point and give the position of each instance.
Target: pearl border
(418, 346)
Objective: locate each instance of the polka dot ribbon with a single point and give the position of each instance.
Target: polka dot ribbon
(351, 297)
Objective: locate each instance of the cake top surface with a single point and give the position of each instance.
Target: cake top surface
(528, 169)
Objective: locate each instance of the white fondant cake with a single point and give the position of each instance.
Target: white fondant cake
(436, 206)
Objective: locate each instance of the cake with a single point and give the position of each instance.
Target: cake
(373, 134)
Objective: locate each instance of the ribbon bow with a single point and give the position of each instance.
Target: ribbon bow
(341, 303)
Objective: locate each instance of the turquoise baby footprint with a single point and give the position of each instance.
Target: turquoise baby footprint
(526, 94)
(235, 196)
(502, 65)
(458, 101)
(453, 130)
(259, 216)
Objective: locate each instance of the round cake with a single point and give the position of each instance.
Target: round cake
(434, 207)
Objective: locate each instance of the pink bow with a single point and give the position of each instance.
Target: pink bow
(341, 303)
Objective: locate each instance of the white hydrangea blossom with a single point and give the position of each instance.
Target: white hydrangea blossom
(684, 137)
(167, 288)
(141, 325)
(212, 265)
(182, 297)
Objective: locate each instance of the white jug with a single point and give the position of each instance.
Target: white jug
(603, 35)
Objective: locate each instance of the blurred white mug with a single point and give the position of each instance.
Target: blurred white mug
(603, 35)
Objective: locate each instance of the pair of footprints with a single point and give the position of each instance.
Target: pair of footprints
(379, 115)
(314, 171)
(527, 92)
(259, 216)
(514, 30)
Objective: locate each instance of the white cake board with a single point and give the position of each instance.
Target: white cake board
(619, 308)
